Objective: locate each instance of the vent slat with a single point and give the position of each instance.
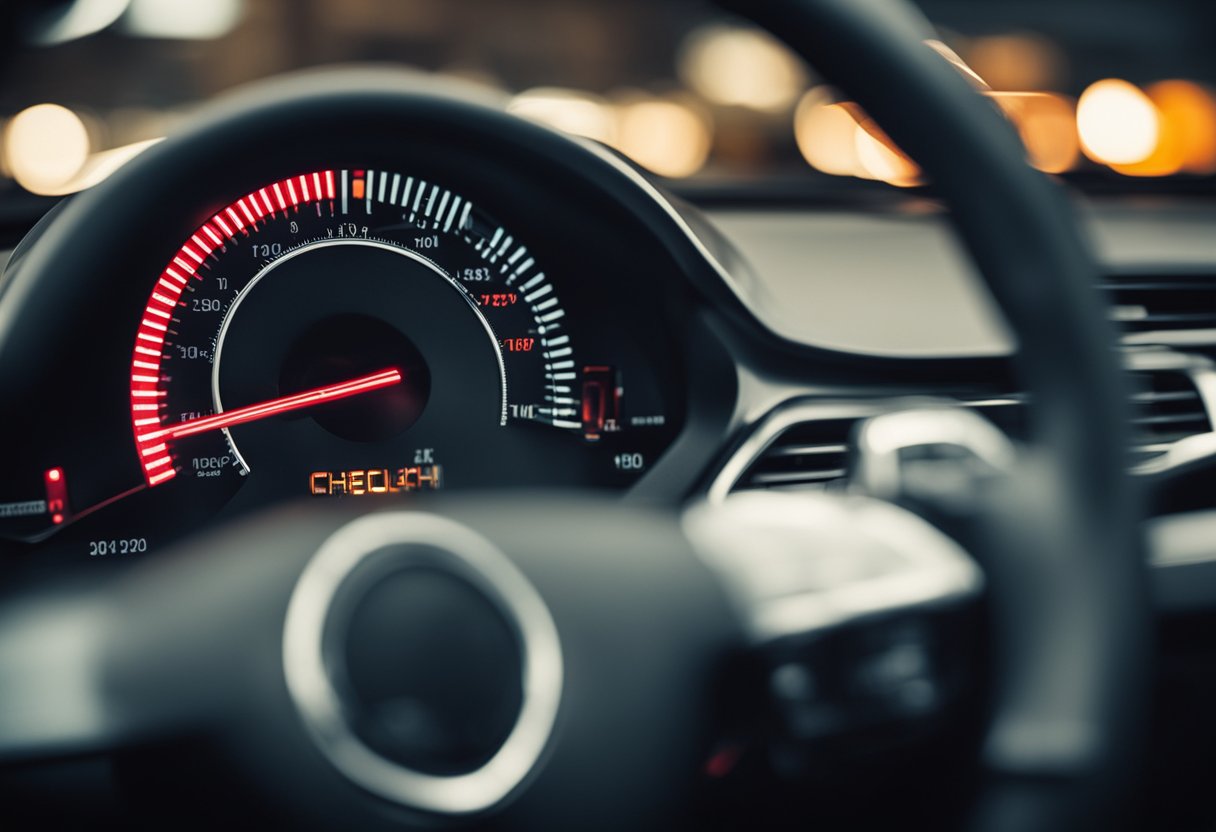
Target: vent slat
(1166, 407)
(807, 450)
(807, 454)
(1171, 318)
(1169, 419)
(794, 477)
(1154, 397)
(1162, 302)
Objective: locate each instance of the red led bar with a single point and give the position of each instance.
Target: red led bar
(243, 215)
(56, 495)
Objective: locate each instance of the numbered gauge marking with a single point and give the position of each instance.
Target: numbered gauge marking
(176, 379)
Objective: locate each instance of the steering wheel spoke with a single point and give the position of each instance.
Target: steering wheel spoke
(852, 606)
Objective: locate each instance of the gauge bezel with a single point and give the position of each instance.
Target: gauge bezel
(107, 240)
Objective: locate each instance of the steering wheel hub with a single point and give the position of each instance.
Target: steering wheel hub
(424, 664)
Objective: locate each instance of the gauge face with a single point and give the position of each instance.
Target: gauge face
(349, 332)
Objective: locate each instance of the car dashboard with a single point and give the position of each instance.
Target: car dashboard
(388, 309)
(425, 317)
(551, 344)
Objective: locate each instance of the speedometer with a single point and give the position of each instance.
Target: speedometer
(359, 331)
(372, 299)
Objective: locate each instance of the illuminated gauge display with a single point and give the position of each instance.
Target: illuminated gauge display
(358, 331)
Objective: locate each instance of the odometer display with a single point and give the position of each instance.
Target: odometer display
(353, 331)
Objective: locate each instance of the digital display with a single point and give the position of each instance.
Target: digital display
(362, 481)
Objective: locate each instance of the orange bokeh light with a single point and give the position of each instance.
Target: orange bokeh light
(840, 139)
(1017, 61)
(1117, 122)
(824, 132)
(1047, 125)
(1186, 142)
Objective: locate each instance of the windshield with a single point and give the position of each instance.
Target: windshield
(1110, 93)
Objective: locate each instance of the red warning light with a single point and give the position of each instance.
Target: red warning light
(56, 495)
(723, 761)
(601, 402)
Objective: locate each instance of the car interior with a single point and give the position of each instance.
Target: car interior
(665, 414)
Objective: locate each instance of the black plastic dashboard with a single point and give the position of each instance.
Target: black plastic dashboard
(550, 324)
(686, 329)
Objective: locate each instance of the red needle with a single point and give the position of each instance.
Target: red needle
(283, 404)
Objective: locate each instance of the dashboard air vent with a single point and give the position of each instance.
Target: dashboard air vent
(811, 451)
(1166, 407)
(805, 455)
(1160, 302)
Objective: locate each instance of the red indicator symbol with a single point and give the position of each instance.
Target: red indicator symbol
(56, 495)
(601, 402)
(499, 299)
(518, 344)
(723, 761)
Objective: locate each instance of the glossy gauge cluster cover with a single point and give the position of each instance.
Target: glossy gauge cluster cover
(412, 292)
(351, 332)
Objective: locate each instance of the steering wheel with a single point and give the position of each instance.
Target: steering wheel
(610, 664)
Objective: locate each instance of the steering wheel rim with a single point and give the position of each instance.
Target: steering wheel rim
(1065, 358)
(1019, 230)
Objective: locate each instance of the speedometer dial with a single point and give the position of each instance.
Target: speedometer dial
(358, 331)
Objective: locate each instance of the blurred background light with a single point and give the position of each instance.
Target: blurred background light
(182, 19)
(571, 111)
(1017, 61)
(666, 135)
(824, 132)
(879, 161)
(840, 139)
(683, 92)
(1047, 125)
(740, 67)
(670, 135)
(77, 19)
(1117, 123)
(98, 167)
(45, 146)
(1187, 136)
(1190, 111)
